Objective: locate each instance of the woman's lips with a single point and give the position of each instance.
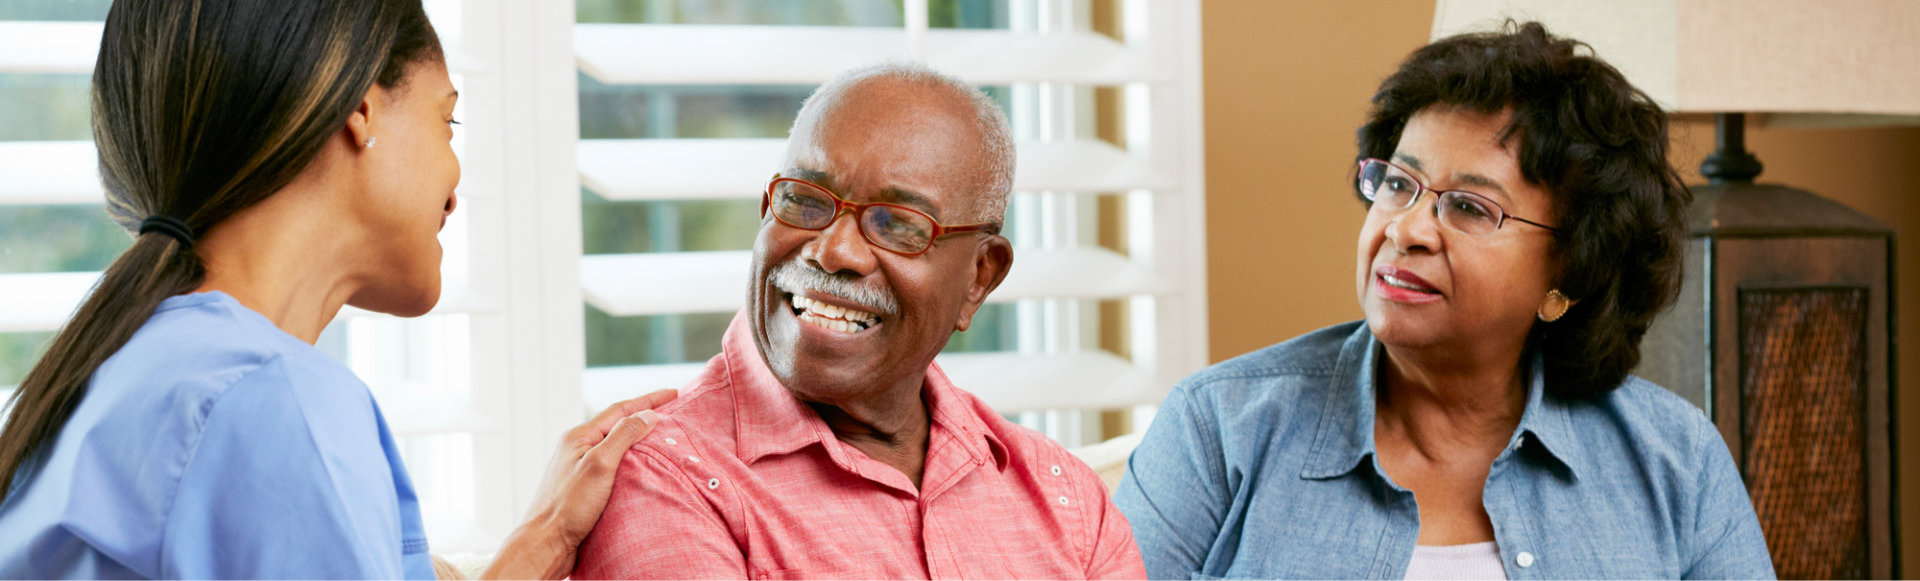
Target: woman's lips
(1400, 285)
(453, 201)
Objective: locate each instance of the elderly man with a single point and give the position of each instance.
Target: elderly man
(823, 442)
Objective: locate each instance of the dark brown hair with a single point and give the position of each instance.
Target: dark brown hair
(201, 109)
(1598, 146)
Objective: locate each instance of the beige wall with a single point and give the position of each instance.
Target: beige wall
(1287, 84)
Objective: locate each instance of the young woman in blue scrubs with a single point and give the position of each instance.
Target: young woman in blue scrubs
(278, 160)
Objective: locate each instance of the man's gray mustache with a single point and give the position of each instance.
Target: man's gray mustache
(806, 280)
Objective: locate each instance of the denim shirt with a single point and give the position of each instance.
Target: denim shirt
(1264, 466)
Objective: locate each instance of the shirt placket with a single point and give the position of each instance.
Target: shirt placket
(1400, 533)
(1520, 554)
(948, 460)
(934, 545)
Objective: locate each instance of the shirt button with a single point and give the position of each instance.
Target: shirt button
(693, 460)
(713, 483)
(670, 442)
(1056, 470)
(1524, 559)
(1063, 501)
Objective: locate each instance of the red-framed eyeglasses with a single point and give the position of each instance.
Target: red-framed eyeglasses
(896, 228)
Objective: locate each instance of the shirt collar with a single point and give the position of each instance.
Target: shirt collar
(959, 415)
(768, 420)
(1546, 427)
(1345, 435)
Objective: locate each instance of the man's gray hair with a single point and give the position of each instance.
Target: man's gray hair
(995, 133)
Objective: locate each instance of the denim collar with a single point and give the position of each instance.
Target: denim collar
(1344, 439)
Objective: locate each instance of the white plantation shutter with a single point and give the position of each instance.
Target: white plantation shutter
(40, 173)
(627, 54)
(36, 173)
(1048, 56)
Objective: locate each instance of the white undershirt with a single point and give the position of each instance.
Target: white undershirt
(1469, 561)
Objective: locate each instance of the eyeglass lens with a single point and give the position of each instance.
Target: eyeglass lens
(1387, 185)
(897, 229)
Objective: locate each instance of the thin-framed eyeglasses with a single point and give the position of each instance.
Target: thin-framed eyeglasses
(896, 228)
(1387, 184)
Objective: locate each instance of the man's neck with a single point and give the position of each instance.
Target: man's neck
(892, 428)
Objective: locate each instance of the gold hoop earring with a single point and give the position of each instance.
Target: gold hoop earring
(1555, 306)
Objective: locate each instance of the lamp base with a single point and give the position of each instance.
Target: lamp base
(1783, 334)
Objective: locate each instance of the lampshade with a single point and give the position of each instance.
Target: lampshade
(1839, 61)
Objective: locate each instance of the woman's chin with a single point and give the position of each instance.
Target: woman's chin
(1404, 329)
(409, 302)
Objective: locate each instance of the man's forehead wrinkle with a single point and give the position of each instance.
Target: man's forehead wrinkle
(888, 194)
(922, 93)
(895, 134)
(835, 137)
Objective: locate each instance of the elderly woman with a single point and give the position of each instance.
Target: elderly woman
(1523, 228)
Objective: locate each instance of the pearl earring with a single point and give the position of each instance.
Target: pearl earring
(370, 141)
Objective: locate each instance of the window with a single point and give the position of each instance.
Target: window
(50, 219)
(684, 109)
(612, 153)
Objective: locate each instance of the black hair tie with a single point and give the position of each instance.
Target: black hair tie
(169, 226)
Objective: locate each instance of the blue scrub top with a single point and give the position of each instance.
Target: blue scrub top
(215, 445)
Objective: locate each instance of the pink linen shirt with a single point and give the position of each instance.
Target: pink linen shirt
(741, 480)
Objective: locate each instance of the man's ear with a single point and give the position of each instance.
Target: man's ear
(991, 262)
(360, 122)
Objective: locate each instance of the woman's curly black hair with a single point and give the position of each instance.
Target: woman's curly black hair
(1598, 146)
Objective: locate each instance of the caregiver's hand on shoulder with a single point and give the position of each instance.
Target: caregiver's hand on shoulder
(574, 492)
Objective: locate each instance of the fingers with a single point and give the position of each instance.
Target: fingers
(604, 421)
(444, 570)
(645, 402)
(624, 435)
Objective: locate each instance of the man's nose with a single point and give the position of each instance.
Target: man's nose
(841, 247)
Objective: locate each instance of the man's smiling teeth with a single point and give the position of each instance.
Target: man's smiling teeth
(831, 317)
(1397, 283)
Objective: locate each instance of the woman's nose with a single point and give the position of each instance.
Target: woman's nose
(1417, 227)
